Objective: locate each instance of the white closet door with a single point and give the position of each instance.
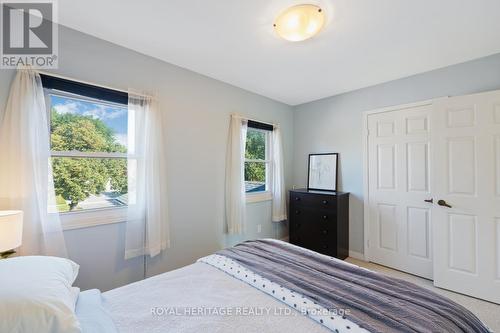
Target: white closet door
(466, 176)
(399, 184)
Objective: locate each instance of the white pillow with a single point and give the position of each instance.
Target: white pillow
(36, 295)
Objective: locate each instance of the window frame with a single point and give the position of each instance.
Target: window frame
(254, 197)
(97, 216)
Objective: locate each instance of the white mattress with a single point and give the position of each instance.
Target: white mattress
(172, 295)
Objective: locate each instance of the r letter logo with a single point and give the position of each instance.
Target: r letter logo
(29, 34)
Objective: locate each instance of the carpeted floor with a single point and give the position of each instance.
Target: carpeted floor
(488, 312)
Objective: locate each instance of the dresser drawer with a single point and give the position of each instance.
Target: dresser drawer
(306, 214)
(316, 201)
(325, 246)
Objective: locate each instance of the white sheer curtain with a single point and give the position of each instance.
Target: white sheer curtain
(235, 175)
(278, 178)
(147, 231)
(26, 181)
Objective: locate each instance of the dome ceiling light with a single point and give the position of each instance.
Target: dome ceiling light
(299, 22)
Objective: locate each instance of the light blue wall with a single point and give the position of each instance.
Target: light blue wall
(197, 111)
(334, 124)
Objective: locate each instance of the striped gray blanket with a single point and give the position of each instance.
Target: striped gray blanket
(376, 302)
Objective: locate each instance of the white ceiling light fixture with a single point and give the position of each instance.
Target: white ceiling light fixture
(299, 22)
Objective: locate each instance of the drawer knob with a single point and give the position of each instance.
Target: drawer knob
(297, 212)
(297, 225)
(325, 217)
(325, 202)
(297, 199)
(325, 246)
(325, 232)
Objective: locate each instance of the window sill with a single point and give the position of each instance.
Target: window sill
(92, 218)
(259, 197)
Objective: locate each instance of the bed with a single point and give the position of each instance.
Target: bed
(256, 286)
(146, 306)
(273, 286)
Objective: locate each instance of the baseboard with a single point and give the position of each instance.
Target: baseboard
(357, 255)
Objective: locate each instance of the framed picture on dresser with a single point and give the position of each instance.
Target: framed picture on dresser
(322, 172)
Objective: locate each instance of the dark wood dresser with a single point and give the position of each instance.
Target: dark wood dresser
(319, 221)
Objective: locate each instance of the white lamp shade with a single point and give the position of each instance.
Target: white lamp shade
(11, 229)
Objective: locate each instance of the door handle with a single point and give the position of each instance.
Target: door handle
(431, 200)
(443, 203)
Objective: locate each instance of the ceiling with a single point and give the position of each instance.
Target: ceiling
(365, 42)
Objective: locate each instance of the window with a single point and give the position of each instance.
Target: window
(258, 161)
(88, 136)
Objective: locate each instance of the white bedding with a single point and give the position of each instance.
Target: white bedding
(163, 303)
(91, 315)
